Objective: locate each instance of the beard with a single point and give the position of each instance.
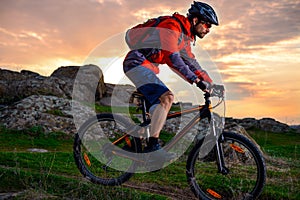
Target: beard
(200, 35)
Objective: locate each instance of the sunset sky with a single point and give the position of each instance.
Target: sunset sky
(256, 48)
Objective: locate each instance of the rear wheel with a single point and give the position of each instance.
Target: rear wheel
(247, 171)
(93, 150)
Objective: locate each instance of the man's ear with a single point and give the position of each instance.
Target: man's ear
(195, 21)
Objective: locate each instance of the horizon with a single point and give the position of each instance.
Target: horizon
(254, 51)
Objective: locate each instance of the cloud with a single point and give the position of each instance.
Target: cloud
(81, 25)
(255, 47)
(246, 24)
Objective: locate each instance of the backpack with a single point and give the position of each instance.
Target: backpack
(137, 34)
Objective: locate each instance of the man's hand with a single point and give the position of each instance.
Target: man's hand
(203, 85)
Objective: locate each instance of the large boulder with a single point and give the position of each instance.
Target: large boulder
(15, 86)
(85, 75)
(117, 95)
(269, 124)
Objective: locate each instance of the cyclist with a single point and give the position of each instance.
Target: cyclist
(141, 65)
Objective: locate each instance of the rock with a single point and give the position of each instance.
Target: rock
(234, 127)
(269, 124)
(89, 84)
(265, 124)
(15, 86)
(45, 101)
(248, 123)
(28, 99)
(35, 150)
(296, 128)
(69, 72)
(117, 95)
(38, 110)
(28, 73)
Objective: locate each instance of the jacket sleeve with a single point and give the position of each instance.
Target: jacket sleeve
(169, 33)
(189, 59)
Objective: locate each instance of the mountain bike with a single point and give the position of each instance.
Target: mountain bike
(108, 150)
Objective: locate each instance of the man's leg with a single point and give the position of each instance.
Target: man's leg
(158, 120)
(160, 113)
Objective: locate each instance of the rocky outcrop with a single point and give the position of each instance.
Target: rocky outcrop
(296, 128)
(55, 114)
(35, 100)
(265, 124)
(50, 112)
(15, 86)
(271, 125)
(28, 99)
(117, 95)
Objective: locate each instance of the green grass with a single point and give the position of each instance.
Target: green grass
(121, 109)
(34, 185)
(283, 164)
(286, 145)
(20, 140)
(54, 175)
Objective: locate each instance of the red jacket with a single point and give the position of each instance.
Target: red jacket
(171, 45)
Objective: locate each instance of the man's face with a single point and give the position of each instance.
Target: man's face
(202, 28)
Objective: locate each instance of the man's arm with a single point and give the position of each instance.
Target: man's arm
(169, 33)
(189, 59)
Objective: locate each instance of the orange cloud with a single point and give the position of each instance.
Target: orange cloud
(256, 46)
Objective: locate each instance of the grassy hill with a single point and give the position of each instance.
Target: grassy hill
(53, 175)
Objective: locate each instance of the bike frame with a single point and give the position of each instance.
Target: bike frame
(205, 111)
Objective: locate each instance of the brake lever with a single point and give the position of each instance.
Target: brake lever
(218, 91)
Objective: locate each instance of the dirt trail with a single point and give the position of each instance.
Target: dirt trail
(171, 192)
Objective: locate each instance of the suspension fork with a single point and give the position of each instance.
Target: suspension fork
(219, 153)
(220, 156)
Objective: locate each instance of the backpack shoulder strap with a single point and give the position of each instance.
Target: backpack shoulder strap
(181, 25)
(183, 29)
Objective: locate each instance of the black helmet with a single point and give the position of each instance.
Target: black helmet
(204, 11)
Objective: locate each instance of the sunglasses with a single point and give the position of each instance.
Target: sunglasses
(206, 24)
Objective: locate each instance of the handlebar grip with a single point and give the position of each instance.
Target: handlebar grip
(203, 85)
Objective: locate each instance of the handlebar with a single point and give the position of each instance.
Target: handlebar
(214, 91)
(217, 91)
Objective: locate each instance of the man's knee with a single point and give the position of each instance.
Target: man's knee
(167, 98)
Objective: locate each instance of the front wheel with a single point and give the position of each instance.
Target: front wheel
(246, 176)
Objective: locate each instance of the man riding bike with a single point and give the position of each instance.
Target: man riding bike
(141, 65)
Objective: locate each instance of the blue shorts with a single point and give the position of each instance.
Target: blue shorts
(147, 83)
